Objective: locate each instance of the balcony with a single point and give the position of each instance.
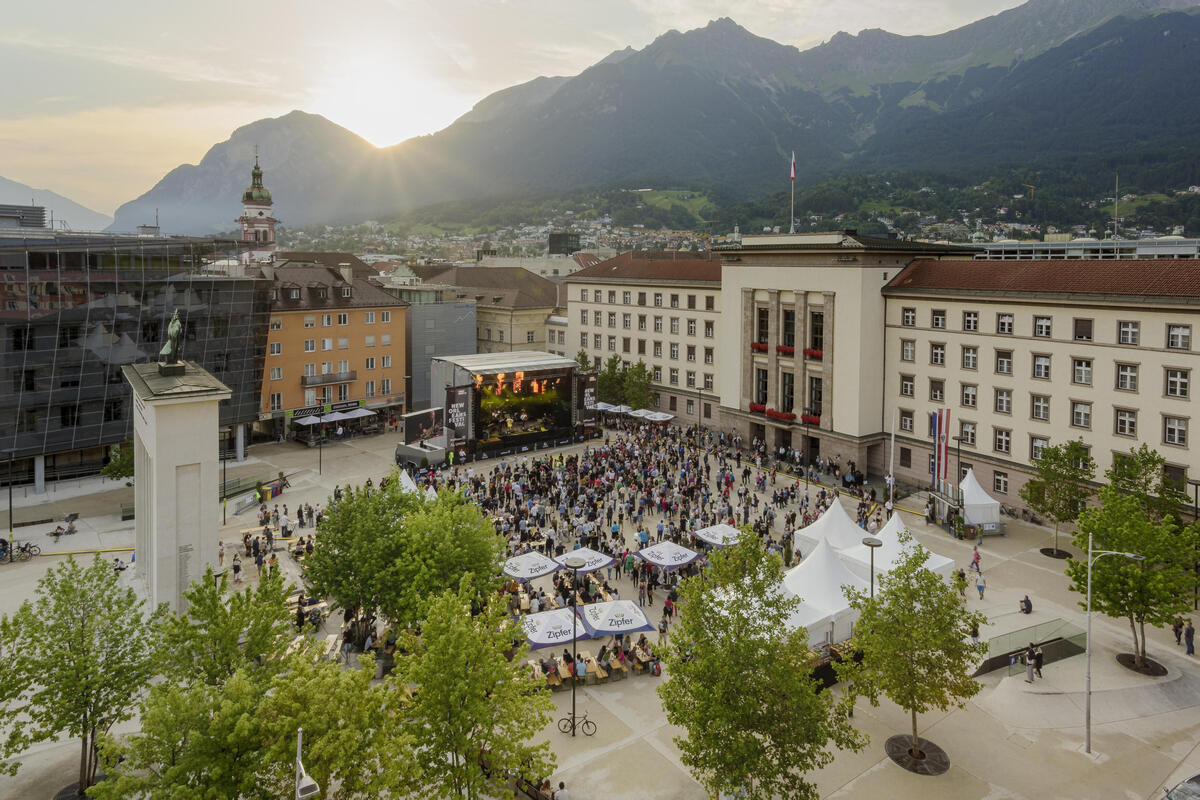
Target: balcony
(328, 378)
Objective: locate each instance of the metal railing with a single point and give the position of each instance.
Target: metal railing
(329, 377)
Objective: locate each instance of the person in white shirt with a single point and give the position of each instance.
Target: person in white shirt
(561, 794)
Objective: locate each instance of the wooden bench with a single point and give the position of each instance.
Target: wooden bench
(295, 645)
(330, 651)
(617, 669)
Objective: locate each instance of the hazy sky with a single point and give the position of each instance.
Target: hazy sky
(109, 96)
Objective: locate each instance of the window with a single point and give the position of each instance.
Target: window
(658, 349)
(583, 295)
(970, 358)
(530, 336)
(276, 373)
(583, 317)
(1127, 377)
(277, 401)
(343, 343)
(906, 421)
(385, 386)
(1083, 330)
(641, 298)
(1081, 415)
(327, 344)
(787, 391)
(386, 362)
(674, 376)
(1004, 362)
(310, 345)
(906, 385)
(691, 379)
(937, 318)
(327, 320)
(816, 330)
(276, 325)
(1041, 367)
(583, 340)
(1000, 482)
(789, 328)
(1177, 382)
(908, 317)
(1039, 406)
(369, 389)
(641, 347)
(1003, 401)
(937, 354)
(691, 327)
(499, 335)
(612, 343)
(937, 390)
(708, 355)
(114, 410)
(674, 326)
(710, 302)
(905, 457)
(970, 395)
(346, 292)
(370, 340)
(612, 319)
(310, 370)
(691, 352)
(658, 299)
(1001, 440)
(641, 322)
(597, 296)
(1082, 371)
(1175, 431)
(370, 362)
(1126, 422)
(344, 365)
(658, 374)
(1179, 337)
(1004, 323)
(658, 324)
(625, 344)
(1128, 332)
(1041, 327)
(709, 329)
(674, 301)
(597, 318)
(672, 401)
(310, 397)
(276, 348)
(908, 350)
(1036, 445)
(674, 351)
(626, 297)
(612, 297)
(708, 381)
(760, 386)
(385, 316)
(343, 391)
(310, 322)
(966, 432)
(970, 320)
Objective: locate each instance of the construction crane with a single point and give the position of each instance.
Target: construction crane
(1031, 189)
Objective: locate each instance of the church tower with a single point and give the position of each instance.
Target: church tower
(258, 226)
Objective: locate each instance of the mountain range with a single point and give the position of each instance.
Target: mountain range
(719, 107)
(64, 211)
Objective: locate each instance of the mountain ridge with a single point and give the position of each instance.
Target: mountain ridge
(61, 209)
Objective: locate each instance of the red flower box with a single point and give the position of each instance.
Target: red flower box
(813, 353)
(786, 349)
(757, 408)
(787, 416)
(811, 419)
(758, 347)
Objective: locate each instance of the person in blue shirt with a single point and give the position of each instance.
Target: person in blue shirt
(580, 667)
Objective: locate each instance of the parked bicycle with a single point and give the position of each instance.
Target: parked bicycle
(568, 725)
(25, 551)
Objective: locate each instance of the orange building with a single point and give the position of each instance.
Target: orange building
(335, 343)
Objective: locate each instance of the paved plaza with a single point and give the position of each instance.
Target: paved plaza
(1013, 740)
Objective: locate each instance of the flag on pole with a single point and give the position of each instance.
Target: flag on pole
(939, 424)
(793, 165)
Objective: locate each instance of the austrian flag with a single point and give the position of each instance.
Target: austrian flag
(793, 165)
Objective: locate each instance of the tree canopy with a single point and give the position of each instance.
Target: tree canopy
(583, 360)
(120, 462)
(741, 685)
(1141, 474)
(915, 641)
(610, 382)
(638, 386)
(1061, 487)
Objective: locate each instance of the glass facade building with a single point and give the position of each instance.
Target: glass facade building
(75, 308)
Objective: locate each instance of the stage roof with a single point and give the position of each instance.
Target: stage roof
(516, 361)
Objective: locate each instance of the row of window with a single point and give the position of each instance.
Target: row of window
(326, 394)
(1125, 423)
(787, 333)
(787, 391)
(1178, 337)
(627, 323)
(343, 366)
(343, 343)
(320, 293)
(327, 320)
(597, 296)
(552, 337)
(627, 345)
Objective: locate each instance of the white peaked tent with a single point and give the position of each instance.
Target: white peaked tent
(720, 535)
(430, 493)
(858, 559)
(978, 506)
(818, 581)
(406, 483)
(834, 526)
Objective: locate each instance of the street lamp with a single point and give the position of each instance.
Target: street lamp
(11, 542)
(872, 542)
(1195, 484)
(305, 786)
(1093, 557)
(806, 412)
(574, 563)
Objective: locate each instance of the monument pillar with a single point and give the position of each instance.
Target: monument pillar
(176, 474)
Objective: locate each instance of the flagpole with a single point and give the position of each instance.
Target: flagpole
(792, 208)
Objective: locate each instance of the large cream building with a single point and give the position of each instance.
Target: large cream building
(1031, 353)
(660, 308)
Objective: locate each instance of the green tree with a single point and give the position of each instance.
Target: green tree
(1061, 487)
(386, 550)
(474, 710)
(120, 462)
(1151, 591)
(741, 683)
(583, 360)
(81, 651)
(221, 633)
(1142, 475)
(610, 383)
(915, 641)
(637, 386)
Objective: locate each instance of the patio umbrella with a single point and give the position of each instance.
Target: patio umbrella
(311, 419)
(603, 406)
(621, 409)
(659, 416)
(356, 413)
(529, 566)
(336, 416)
(614, 617)
(719, 535)
(667, 555)
(592, 560)
(552, 628)
(641, 413)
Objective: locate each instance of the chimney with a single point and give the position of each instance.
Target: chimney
(347, 272)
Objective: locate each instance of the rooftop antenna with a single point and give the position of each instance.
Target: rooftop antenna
(1116, 200)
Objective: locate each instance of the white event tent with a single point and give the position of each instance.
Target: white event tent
(858, 558)
(978, 506)
(834, 526)
(818, 581)
(720, 535)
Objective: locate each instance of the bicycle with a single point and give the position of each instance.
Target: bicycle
(568, 725)
(26, 551)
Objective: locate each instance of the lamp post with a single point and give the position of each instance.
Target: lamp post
(574, 563)
(1195, 484)
(305, 786)
(320, 446)
(872, 542)
(1093, 557)
(806, 412)
(10, 508)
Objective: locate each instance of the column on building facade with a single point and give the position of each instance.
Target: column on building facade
(827, 345)
(748, 325)
(773, 329)
(240, 441)
(39, 474)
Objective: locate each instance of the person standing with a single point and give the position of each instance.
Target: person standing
(1029, 659)
(980, 584)
(237, 570)
(664, 626)
(1177, 629)
(221, 563)
(975, 560)
(1189, 638)
(1038, 659)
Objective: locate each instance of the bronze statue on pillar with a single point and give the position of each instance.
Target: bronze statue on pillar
(169, 363)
